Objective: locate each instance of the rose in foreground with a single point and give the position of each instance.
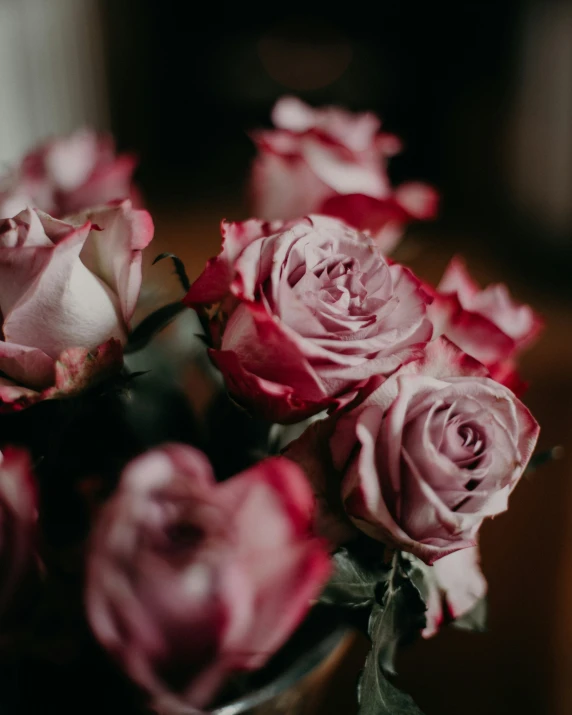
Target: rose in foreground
(331, 161)
(487, 324)
(67, 292)
(189, 581)
(309, 313)
(18, 516)
(68, 174)
(429, 455)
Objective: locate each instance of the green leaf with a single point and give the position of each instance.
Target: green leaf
(475, 619)
(153, 324)
(402, 616)
(377, 696)
(353, 584)
(398, 614)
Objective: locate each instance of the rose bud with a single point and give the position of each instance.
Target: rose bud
(66, 288)
(18, 516)
(68, 174)
(189, 581)
(330, 161)
(426, 457)
(455, 585)
(486, 324)
(310, 312)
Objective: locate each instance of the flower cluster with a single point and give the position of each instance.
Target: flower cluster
(409, 431)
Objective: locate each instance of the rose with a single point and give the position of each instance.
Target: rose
(18, 516)
(66, 288)
(454, 587)
(189, 581)
(310, 313)
(68, 174)
(427, 456)
(487, 324)
(330, 161)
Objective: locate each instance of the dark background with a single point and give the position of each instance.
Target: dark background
(187, 81)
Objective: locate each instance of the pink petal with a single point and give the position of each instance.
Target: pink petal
(214, 282)
(293, 114)
(276, 402)
(70, 160)
(66, 305)
(114, 252)
(108, 182)
(26, 365)
(421, 201)
(344, 175)
(285, 187)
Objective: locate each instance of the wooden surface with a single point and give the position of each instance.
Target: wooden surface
(523, 664)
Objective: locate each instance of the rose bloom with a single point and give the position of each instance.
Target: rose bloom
(66, 288)
(486, 324)
(18, 516)
(189, 581)
(333, 162)
(68, 174)
(455, 585)
(309, 313)
(428, 455)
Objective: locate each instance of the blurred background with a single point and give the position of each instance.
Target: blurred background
(481, 93)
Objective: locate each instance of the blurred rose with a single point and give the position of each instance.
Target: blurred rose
(455, 587)
(332, 161)
(487, 324)
(68, 174)
(431, 453)
(310, 312)
(18, 515)
(189, 581)
(65, 285)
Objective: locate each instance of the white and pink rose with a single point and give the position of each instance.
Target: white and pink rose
(190, 581)
(68, 290)
(435, 450)
(331, 161)
(485, 323)
(309, 313)
(68, 174)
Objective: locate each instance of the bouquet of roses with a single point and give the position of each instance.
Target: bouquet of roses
(372, 423)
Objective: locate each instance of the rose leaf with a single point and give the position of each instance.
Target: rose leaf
(376, 695)
(153, 324)
(399, 613)
(353, 584)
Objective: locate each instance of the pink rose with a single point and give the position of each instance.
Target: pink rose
(310, 313)
(68, 174)
(189, 581)
(487, 324)
(333, 162)
(428, 455)
(455, 586)
(66, 288)
(18, 515)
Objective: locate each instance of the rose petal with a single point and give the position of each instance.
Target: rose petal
(113, 250)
